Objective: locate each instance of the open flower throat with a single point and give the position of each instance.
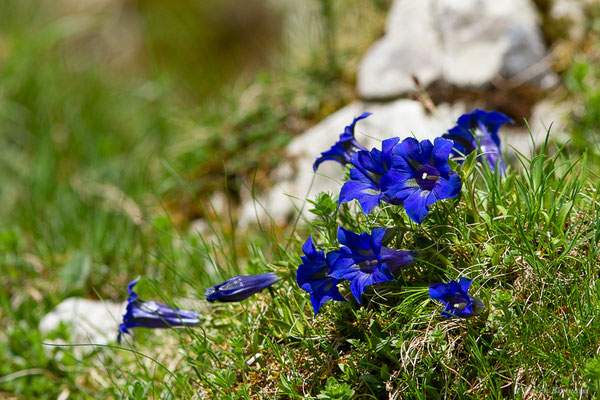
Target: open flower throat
(426, 176)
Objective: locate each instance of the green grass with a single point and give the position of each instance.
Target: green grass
(101, 175)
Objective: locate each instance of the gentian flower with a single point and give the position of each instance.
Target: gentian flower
(420, 176)
(479, 130)
(456, 297)
(365, 177)
(150, 314)
(345, 147)
(240, 287)
(364, 261)
(313, 277)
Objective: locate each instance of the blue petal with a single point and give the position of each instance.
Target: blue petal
(370, 163)
(408, 148)
(132, 295)
(362, 280)
(441, 151)
(353, 240)
(323, 291)
(416, 206)
(426, 150)
(343, 265)
(445, 189)
(377, 236)
(309, 248)
(240, 287)
(361, 188)
(349, 130)
(464, 284)
(397, 259)
(479, 128)
(399, 184)
(344, 148)
(387, 147)
(440, 292)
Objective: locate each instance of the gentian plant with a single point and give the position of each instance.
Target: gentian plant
(478, 130)
(344, 148)
(240, 287)
(364, 261)
(314, 278)
(369, 169)
(420, 176)
(151, 314)
(455, 295)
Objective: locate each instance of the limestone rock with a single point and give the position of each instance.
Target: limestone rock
(411, 46)
(467, 44)
(89, 321)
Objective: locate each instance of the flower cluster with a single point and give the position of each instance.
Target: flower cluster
(478, 130)
(408, 173)
(362, 260)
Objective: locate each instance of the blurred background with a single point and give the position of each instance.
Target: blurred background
(121, 119)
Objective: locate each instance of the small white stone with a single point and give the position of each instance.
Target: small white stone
(88, 321)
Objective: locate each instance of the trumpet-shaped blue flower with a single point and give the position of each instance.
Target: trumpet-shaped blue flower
(150, 314)
(420, 176)
(343, 150)
(365, 177)
(313, 275)
(364, 261)
(456, 298)
(240, 287)
(479, 130)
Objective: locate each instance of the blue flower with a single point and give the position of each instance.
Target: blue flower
(345, 147)
(479, 130)
(364, 261)
(150, 314)
(420, 176)
(456, 298)
(365, 177)
(313, 277)
(240, 287)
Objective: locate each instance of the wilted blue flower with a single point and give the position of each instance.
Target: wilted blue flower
(365, 177)
(479, 130)
(364, 261)
(150, 314)
(345, 147)
(456, 298)
(420, 176)
(313, 277)
(240, 287)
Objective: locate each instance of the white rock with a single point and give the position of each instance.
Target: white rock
(295, 178)
(89, 321)
(411, 46)
(466, 43)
